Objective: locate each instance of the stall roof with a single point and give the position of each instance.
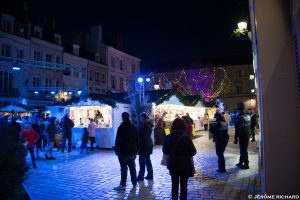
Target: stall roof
(15, 108)
(160, 96)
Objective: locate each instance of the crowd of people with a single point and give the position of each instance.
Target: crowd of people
(40, 133)
(132, 141)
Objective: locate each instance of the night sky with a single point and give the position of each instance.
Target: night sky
(155, 31)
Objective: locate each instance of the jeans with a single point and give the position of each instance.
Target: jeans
(31, 151)
(183, 186)
(92, 139)
(221, 143)
(144, 160)
(65, 138)
(125, 162)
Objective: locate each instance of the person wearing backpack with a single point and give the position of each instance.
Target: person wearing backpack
(242, 135)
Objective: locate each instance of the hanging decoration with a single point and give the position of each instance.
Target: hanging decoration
(209, 83)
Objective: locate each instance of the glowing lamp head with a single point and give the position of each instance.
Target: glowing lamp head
(79, 92)
(70, 93)
(242, 25)
(252, 90)
(156, 87)
(65, 93)
(251, 76)
(52, 92)
(36, 92)
(16, 68)
(140, 80)
(148, 80)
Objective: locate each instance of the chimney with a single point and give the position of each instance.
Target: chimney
(95, 37)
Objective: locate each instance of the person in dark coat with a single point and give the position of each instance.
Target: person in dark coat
(242, 135)
(126, 148)
(253, 123)
(145, 148)
(219, 130)
(51, 130)
(14, 128)
(67, 124)
(180, 149)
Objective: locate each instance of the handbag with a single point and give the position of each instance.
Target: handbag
(165, 158)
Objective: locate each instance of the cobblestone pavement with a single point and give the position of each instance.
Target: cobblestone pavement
(94, 175)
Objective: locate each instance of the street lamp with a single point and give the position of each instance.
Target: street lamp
(141, 81)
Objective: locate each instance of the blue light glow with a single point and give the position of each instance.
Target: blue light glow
(79, 92)
(52, 92)
(140, 79)
(147, 79)
(16, 68)
(36, 92)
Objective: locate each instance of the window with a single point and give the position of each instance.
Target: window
(57, 83)
(121, 83)
(36, 81)
(48, 58)
(5, 50)
(5, 81)
(58, 60)
(83, 74)
(6, 25)
(76, 74)
(37, 55)
(97, 76)
(121, 65)
(102, 77)
(20, 54)
(91, 75)
(48, 83)
(113, 83)
(97, 57)
(133, 68)
(37, 32)
(76, 49)
(239, 89)
(57, 39)
(113, 62)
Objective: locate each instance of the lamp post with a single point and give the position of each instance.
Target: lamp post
(141, 82)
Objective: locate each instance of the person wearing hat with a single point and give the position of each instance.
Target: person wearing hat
(242, 135)
(219, 130)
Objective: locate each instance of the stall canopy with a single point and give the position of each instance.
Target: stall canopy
(19, 108)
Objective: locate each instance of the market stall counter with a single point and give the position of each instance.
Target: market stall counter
(106, 117)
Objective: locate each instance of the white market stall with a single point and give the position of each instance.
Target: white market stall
(174, 107)
(18, 110)
(81, 112)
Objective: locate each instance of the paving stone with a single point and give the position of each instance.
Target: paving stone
(94, 175)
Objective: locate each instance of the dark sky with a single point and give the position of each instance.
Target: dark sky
(155, 31)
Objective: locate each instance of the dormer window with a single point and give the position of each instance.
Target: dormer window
(7, 22)
(97, 57)
(57, 39)
(76, 49)
(37, 32)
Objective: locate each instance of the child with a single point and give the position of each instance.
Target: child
(84, 140)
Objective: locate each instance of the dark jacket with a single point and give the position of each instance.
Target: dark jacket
(145, 142)
(67, 124)
(219, 129)
(242, 126)
(179, 162)
(127, 139)
(52, 130)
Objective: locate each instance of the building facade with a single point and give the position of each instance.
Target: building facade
(34, 65)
